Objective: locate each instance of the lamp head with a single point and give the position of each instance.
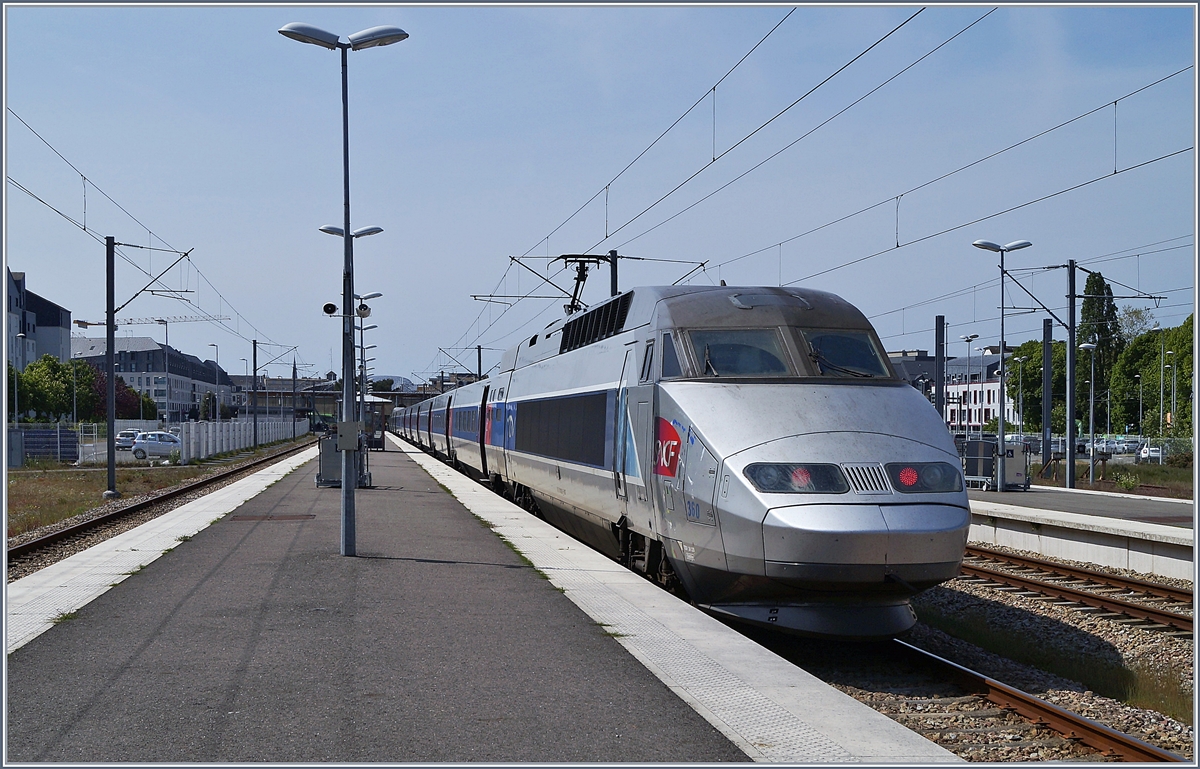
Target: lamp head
(372, 295)
(363, 232)
(330, 229)
(307, 33)
(1087, 346)
(376, 36)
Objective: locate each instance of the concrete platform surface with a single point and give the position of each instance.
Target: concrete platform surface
(254, 640)
(1106, 504)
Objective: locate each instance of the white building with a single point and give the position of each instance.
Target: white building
(973, 395)
(46, 326)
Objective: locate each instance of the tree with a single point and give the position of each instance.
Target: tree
(127, 399)
(1143, 360)
(1133, 322)
(383, 385)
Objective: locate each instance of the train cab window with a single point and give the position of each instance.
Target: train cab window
(670, 360)
(844, 353)
(647, 360)
(754, 352)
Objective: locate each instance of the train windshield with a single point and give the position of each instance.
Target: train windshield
(740, 352)
(844, 353)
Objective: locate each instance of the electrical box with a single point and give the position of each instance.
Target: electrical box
(347, 436)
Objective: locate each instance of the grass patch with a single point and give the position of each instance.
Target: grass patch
(1157, 690)
(138, 570)
(65, 616)
(184, 538)
(38, 498)
(1149, 479)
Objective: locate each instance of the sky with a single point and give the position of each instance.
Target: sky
(852, 149)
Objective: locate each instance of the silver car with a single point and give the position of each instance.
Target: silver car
(125, 439)
(156, 444)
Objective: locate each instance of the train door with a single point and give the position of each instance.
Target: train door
(481, 432)
(621, 430)
(446, 432)
(700, 468)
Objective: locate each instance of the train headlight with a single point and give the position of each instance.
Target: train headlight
(924, 477)
(777, 478)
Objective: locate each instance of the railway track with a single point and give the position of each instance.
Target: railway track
(1039, 713)
(1152, 606)
(970, 714)
(19, 554)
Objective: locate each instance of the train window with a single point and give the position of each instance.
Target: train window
(740, 352)
(842, 353)
(647, 360)
(670, 360)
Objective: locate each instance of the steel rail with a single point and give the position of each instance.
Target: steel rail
(1071, 725)
(32, 546)
(1181, 595)
(1161, 616)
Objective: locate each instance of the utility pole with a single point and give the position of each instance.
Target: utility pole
(254, 391)
(1070, 445)
(110, 250)
(1047, 379)
(939, 365)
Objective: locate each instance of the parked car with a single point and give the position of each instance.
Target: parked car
(156, 444)
(125, 439)
(1148, 453)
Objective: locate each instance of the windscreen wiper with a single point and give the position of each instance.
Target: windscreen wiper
(708, 366)
(824, 363)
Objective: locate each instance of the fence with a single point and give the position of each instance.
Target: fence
(206, 439)
(59, 442)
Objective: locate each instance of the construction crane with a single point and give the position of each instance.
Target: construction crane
(163, 320)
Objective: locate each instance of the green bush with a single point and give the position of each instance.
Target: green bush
(1127, 481)
(1182, 459)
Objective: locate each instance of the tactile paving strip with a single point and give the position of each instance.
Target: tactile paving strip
(760, 726)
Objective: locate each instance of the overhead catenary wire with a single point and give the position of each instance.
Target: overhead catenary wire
(960, 169)
(745, 138)
(604, 190)
(718, 156)
(82, 225)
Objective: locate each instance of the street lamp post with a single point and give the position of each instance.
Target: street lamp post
(166, 362)
(217, 380)
(1139, 378)
(1091, 415)
(368, 38)
(1161, 372)
(1172, 367)
(1021, 393)
(968, 338)
(17, 382)
(989, 246)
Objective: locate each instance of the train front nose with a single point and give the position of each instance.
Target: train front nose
(862, 547)
(843, 559)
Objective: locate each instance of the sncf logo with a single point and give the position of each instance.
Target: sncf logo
(666, 449)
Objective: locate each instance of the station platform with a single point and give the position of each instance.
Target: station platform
(1149, 535)
(1106, 504)
(252, 639)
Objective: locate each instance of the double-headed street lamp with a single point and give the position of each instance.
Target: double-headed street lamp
(1091, 414)
(368, 38)
(1002, 250)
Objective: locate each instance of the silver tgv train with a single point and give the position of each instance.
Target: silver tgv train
(750, 446)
